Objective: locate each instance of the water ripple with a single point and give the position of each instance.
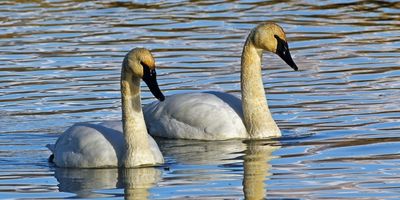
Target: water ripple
(60, 64)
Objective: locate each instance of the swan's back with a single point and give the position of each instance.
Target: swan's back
(204, 116)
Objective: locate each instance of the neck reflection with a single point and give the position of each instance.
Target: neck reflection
(256, 168)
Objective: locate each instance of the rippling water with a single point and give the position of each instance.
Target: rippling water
(60, 64)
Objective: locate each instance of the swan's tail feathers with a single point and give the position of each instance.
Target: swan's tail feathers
(51, 147)
(51, 158)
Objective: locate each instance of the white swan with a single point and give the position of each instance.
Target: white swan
(106, 144)
(220, 116)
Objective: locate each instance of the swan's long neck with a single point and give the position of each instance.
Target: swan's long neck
(257, 117)
(137, 148)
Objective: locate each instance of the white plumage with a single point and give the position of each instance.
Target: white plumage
(203, 116)
(86, 145)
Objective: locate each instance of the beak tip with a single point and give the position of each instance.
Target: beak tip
(161, 98)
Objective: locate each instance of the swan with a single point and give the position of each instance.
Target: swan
(110, 144)
(221, 116)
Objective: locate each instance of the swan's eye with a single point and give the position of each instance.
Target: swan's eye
(144, 64)
(282, 46)
(147, 71)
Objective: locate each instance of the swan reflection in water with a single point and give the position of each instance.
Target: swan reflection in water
(256, 168)
(136, 182)
(225, 155)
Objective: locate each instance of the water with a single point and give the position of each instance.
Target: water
(60, 64)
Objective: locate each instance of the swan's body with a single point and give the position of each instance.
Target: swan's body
(197, 116)
(86, 145)
(220, 116)
(115, 144)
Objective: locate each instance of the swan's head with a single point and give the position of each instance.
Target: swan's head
(271, 37)
(139, 62)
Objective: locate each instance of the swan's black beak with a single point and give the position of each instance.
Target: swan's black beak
(150, 78)
(282, 50)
